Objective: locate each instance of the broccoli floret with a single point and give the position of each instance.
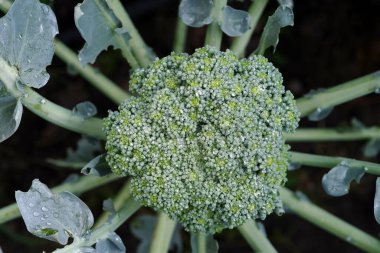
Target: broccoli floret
(203, 140)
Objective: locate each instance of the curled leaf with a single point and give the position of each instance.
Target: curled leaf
(371, 148)
(27, 32)
(320, 113)
(98, 26)
(282, 17)
(10, 115)
(235, 22)
(195, 13)
(55, 217)
(337, 181)
(85, 109)
(112, 244)
(97, 167)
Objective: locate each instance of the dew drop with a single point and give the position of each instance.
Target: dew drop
(20, 36)
(44, 208)
(377, 90)
(30, 204)
(35, 214)
(349, 239)
(42, 218)
(48, 223)
(320, 113)
(55, 215)
(43, 101)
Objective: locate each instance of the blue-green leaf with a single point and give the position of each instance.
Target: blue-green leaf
(97, 167)
(85, 109)
(10, 114)
(235, 22)
(53, 216)
(97, 25)
(288, 3)
(320, 113)
(195, 13)
(211, 244)
(337, 181)
(112, 244)
(26, 40)
(282, 17)
(377, 201)
(371, 148)
(86, 150)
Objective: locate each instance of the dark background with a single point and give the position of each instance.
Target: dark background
(332, 41)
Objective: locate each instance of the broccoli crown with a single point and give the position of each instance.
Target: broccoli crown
(203, 140)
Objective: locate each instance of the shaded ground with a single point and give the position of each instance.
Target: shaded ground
(332, 41)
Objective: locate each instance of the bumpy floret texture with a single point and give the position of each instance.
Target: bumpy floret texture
(203, 141)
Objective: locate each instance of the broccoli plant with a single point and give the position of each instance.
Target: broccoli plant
(201, 138)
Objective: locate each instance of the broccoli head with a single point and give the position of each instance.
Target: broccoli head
(202, 139)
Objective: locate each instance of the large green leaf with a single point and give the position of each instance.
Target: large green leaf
(26, 40)
(98, 25)
(53, 216)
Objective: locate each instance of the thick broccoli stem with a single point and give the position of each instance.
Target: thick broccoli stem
(329, 222)
(322, 161)
(214, 33)
(332, 134)
(180, 36)
(339, 94)
(162, 234)
(240, 43)
(256, 239)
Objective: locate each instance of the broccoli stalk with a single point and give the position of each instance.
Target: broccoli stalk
(203, 140)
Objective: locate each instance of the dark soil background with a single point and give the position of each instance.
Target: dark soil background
(332, 41)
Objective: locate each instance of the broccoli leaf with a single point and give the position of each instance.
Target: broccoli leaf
(53, 216)
(211, 244)
(112, 244)
(26, 40)
(97, 167)
(77, 158)
(142, 228)
(337, 181)
(235, 22)
(320, 113)
(282, 17)
(85, 109)
(371, 148)
(377, 201)
(288, 3)
(98, 26)
(10, 114)
(195, 13)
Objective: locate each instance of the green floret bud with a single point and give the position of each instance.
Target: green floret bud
(203, 139)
